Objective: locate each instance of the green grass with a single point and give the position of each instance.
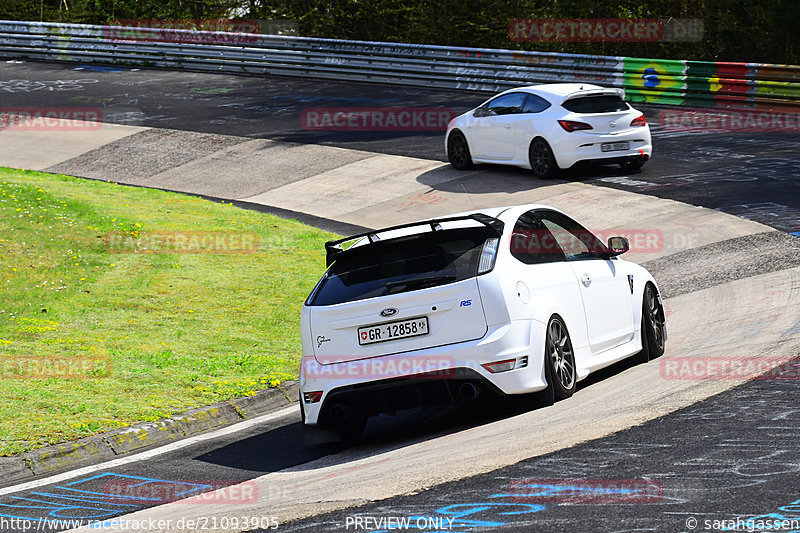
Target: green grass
(162, 332)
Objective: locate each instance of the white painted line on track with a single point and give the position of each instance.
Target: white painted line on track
(114, 463)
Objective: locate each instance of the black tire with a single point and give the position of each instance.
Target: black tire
(543, 162)
(458, 151)
(653, 326)
(633, 164)
(302, 409)
(560, 358)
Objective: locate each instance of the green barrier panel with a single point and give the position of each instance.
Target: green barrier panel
(656, 81)
(776, 89)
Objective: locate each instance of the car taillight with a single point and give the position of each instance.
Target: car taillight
(312, 397)
(488, 256)
(506, 365)
(571, 125)
(639, 121)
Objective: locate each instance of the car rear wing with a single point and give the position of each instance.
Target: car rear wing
(335, 248)
(595, 92)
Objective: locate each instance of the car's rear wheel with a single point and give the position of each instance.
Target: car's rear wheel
(458, 151)
(560, 359)
(542, 160)
(653, 326)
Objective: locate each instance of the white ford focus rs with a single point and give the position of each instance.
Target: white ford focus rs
(550, 127)
(508, 300)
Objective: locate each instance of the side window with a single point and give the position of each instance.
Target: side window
(535, 104)
(507, 104)
(532, 244)
(576, 241)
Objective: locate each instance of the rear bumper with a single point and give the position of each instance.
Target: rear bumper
(578, 147)
(611, 160)
(427, 377)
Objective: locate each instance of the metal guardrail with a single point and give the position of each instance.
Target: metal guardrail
(695, 83)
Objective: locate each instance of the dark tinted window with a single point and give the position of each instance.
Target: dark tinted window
(506, 104)
(532, 243)
(574, 240)
(401, 265)
(606, 103)
(535, 104)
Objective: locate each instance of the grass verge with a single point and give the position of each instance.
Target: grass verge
(122, 304)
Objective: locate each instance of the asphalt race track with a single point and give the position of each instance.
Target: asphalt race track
(751, 175)
(106, 491)
(733, 455)
(737, 461)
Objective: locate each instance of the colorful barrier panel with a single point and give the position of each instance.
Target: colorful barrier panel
(655, 81)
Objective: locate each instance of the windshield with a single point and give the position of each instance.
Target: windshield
(401, 265)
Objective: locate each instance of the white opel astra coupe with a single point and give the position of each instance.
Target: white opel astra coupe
(509, 300)
(550, 127)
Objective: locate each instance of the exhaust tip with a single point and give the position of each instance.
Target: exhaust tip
(468, 391)
(347, 421)
(340, 412)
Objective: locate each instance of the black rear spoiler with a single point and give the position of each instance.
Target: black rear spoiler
(596, 92)
(334, 248)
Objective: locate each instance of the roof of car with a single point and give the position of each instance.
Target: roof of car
(561, 89)
(558, 91)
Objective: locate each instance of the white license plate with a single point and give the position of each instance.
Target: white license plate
(402, 329)
(615, 147)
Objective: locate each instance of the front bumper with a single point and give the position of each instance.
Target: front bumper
(426, 370)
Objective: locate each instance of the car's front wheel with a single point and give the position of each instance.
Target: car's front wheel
(458, 151)
(653, 326)
(560, 359)
(543, 162)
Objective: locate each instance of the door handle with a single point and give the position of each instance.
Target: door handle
(586, 280)
(508, 126)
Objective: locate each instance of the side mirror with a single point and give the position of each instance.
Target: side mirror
(480, 112)
(618, 245)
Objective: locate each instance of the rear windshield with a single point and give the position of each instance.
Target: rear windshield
(401, 265)
(605, 103)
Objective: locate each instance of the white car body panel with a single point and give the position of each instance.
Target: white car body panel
(505, 139)
(449, 323)
(510, 308)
